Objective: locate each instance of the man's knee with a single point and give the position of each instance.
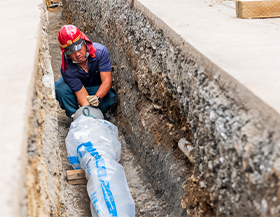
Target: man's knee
(107, 101)
(61, 88)
(111, 98)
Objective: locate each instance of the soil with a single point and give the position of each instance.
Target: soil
(75, 201)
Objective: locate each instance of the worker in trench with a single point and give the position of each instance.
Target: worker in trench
(86, 73)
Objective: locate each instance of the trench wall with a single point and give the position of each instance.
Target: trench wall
(43, 172)
(167, 91)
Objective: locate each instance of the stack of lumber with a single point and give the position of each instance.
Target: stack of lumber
(76, 177)
(258, 8)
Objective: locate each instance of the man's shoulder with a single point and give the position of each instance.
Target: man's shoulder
(99, 48)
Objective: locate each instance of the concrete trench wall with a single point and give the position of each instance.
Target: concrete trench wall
(166, 91)
(43, 173)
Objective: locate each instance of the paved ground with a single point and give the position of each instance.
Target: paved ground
(19, 23)
(247, 49)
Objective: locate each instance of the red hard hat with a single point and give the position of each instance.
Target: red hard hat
(68, 35)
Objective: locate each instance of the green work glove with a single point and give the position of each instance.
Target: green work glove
(93, 100)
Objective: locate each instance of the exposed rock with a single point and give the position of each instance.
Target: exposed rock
(187, 148)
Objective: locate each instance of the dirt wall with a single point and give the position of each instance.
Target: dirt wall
(167, 91)
(43, 172)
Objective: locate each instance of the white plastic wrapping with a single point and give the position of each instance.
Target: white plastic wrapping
(92, 144)
(108, 189)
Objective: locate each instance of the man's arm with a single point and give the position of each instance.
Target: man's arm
(82, 97)
(106, 78)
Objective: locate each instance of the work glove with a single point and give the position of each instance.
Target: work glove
(93, 100)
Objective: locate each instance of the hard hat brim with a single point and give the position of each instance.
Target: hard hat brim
(74, 47)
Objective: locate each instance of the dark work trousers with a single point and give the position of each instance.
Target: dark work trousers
(68, 100)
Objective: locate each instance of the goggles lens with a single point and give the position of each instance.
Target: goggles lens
(72, 49)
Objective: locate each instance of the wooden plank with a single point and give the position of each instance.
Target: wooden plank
(258, 9)
(77, 182)
(75, 174)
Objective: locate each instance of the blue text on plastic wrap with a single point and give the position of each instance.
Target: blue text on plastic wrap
(95, 203)
(74, 161)
(103, 179)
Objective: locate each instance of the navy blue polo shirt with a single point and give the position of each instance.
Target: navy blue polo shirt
(76, 78)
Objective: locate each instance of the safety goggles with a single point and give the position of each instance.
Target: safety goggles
(74, 48)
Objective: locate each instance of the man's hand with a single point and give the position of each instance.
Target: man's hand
(93, 100)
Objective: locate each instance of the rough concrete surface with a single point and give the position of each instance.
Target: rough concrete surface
(166, 91)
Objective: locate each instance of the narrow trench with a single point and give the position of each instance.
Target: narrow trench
(74, 198)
